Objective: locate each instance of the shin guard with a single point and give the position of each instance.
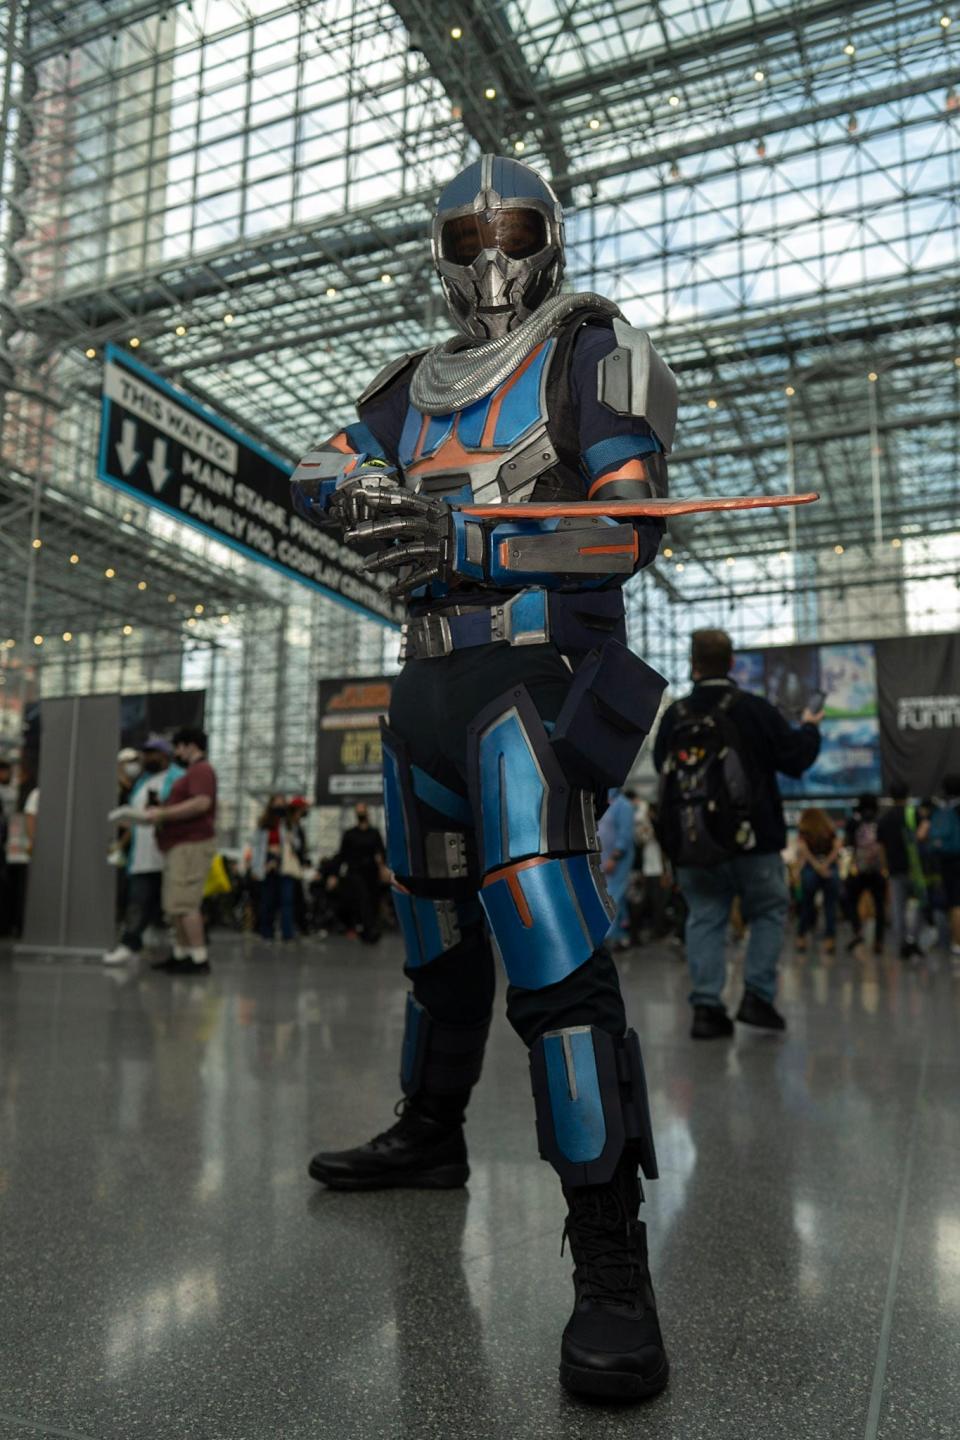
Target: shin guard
(591, 1100)
(439, 1059)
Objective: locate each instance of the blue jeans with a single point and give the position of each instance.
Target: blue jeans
(810, 883)
(277, 893)
(709, 892)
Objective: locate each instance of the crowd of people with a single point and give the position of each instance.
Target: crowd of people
(712, 856)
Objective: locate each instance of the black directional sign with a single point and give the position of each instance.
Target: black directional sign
(166, 448)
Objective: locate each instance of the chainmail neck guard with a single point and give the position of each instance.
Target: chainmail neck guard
(461, 371)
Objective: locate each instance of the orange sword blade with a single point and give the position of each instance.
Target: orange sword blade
(632, 509)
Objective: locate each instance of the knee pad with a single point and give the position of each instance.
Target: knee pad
(591, 1101)
(544, 894)
(547, 916)
(436, 1058)
(430, 926)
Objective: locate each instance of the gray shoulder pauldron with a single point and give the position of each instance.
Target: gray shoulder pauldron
(389, 372)
(633, 380)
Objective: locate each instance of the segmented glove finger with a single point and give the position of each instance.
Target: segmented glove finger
(421, 576)
(404, 555)
(384, 530)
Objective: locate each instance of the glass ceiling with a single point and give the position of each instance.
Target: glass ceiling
(771, 189)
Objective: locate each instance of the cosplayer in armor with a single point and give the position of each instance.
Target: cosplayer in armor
(518, 706)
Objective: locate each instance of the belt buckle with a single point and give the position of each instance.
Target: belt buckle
(432, 637)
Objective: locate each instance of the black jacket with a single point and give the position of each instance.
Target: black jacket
(769, 744)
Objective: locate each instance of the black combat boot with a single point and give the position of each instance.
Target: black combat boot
(421, 1151)
(612, 1347)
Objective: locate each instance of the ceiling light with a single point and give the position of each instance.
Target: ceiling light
(330, 292)
(679, 566)
(872, 376)
(490, 93)
(789, 390)
(135, 341)
(896, 542)
(37, 543)
(109, 572)
(38, 639)
(128, 629)
(711, 403)
(228, 318)
(674, 100)
(141, 584)
(759, 76)
(386, 279)
(849, 48)
(945, 21)
(191, 621)
(224, 619)
(68, 636)
(90, 353)
(852, 125)
(838, 549)
(519, 146)
(456, 33)
(181, 330)
(198, 609)
(170, 598)
(730, 560)
(594, 124)
(74, 559)
(668, 552)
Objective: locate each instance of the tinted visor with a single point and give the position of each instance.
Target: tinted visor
(518, 233)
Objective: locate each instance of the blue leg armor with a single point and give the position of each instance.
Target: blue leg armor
(439, 1059)
(591, 1100)
(543, 891)
(430, 850)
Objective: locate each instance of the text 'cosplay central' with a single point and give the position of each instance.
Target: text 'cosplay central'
(518, 708)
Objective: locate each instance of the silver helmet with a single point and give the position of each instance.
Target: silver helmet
(497, 245)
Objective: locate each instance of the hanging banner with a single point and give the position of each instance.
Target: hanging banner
(919, 685)
(166, 448)
(348, 739)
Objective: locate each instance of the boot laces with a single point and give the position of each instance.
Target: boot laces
(607, 1247)
(403, 1111)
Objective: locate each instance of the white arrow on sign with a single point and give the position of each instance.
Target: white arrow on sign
(127, 446)
(157, 465)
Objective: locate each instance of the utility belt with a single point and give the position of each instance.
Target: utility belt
(576, 622)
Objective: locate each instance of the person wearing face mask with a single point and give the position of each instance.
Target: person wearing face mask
(266, 867)
(359, 860)
(154, 777)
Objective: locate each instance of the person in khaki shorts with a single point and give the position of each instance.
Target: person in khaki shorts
(186, 829)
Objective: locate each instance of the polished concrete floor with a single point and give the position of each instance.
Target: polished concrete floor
(168, 1270)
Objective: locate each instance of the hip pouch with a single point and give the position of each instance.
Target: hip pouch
(607, 715)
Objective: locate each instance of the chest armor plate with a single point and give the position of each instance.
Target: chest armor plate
(492, 450)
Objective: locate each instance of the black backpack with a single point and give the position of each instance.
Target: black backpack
(703, 810)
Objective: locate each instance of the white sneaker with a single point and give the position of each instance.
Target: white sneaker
(119, 956)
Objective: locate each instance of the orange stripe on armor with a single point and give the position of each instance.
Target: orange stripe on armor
(421, 437)
(510, 873)
(340, 442)
(493, 414)
(633, 470)
(505, 554)
(450, 456)
(633, 549)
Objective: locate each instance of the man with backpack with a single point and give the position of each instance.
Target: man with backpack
(721, 823)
